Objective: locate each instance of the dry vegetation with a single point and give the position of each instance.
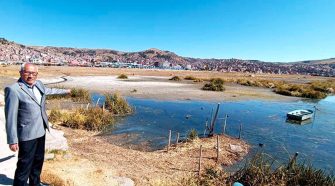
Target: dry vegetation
(215, 84)
(146, 168)
(262, 169)
(77, 95)
(175, 78)
(92, 118)
(314, 89)
(122, 76)
(282, 84)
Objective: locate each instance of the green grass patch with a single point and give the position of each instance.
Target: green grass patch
(215, 84)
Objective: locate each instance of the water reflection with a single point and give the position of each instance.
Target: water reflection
(263, 122)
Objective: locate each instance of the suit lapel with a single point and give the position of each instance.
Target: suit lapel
(27, 91)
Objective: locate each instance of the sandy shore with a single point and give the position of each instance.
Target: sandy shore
(158, 87)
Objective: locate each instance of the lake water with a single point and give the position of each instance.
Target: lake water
(262, 122)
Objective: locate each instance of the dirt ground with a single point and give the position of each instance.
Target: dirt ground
(144, 168)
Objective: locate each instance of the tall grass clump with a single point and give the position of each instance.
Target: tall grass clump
(262, 169)
(308, 91)
(175, 78)
(192, 134)
(56, 116)
(194, 79)
(122, 76)
(117, 105)
(257, 83)
(324, 86)
(92, 119)
(190, 78)
(215, 84)
(80, 95)
(76, 95)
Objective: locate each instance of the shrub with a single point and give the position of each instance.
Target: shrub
(56, 116)
(77, 95)
(192, 134)
(193, 78)
(116, 104)
(122, 76)
(262, 169)
(198, 80)
(306, 91)
(80, 95)
(190, 78)
(94, 119)
(175, 78)
(215, 84)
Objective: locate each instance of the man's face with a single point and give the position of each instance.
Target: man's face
(29, 74)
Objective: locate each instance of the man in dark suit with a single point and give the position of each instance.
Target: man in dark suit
(26, 121)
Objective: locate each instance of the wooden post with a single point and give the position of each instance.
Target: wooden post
(97, 102)
(200, 156)
(239, 135)
(103, 107)
(88, 104)
(217, 148)
(225, 124)
(292, 161)
(211, 131)
(206, 126)
(177, 140)
(169, 142)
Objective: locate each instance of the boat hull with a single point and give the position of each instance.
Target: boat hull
(300, 115)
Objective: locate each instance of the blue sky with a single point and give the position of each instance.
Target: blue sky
(269, 30)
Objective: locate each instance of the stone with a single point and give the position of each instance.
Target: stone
(49, 156)
(235, 148)
(124, 181)
(67, 156)
(55, 140)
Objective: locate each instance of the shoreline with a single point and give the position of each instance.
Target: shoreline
(161, 88)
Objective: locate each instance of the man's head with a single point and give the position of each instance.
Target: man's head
(29, 73)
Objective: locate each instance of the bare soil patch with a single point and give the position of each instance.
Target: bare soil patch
(145, 168)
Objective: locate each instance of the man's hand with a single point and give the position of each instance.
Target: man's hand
(14, 147)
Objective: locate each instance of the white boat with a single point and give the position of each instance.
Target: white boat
(300, 115)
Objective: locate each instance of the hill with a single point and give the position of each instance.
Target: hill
(154, 58)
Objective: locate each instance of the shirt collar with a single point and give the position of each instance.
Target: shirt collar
(29, 86)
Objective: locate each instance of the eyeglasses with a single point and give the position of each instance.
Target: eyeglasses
(27, 73)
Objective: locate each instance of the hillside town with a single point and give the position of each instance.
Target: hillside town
(13, 53)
